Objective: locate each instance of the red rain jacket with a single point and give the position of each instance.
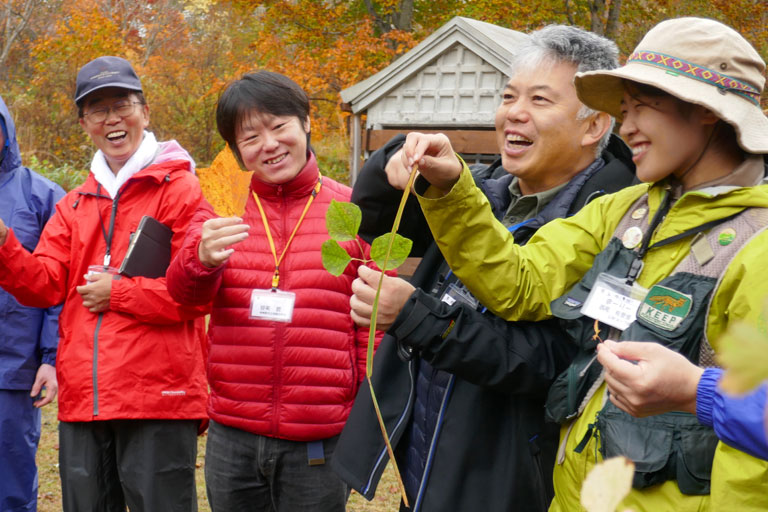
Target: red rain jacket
(142, 358)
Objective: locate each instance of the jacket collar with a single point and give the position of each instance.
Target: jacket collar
(300, 186)
(144, 155)
(499, 195)
(156, 172)
(748, 174)
(710, 202)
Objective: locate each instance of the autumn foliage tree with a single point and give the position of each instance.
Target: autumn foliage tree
(325, 47)
(186, 51)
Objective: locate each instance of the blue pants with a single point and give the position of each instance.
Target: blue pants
(253, 473)
(19, 435)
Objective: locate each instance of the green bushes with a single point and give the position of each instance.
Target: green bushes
(66, 175)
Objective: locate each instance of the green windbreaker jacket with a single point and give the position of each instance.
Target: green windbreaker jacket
(519, 282)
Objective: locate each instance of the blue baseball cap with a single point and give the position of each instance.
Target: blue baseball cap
(105, 72)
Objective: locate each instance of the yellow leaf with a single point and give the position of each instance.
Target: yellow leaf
(225, 185)
(744, 354)
(607, 484)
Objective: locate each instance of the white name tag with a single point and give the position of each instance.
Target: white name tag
(272, 305)
(612, 301)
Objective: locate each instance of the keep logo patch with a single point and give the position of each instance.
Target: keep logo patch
(665, 308)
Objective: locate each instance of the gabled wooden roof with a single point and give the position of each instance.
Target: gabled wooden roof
(492, 43)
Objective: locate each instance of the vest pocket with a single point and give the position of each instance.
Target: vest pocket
(694, 471)
(686, 337)
(670, 446)
(567, 393)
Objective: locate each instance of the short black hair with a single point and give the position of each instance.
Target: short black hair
(262, 91)
(638, 90)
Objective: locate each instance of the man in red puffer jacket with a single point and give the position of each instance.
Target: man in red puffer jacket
(285, 358)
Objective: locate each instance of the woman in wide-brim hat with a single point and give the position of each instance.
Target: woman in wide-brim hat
(695, 61)
(688, 99)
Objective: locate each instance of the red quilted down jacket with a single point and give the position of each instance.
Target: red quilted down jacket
(295, 380)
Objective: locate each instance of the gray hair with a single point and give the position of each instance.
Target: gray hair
(562, 43)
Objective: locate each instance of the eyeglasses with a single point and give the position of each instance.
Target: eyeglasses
(122, 109)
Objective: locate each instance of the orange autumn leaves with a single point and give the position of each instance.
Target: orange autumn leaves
(186, 51)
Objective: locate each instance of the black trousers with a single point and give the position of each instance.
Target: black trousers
(148, 465)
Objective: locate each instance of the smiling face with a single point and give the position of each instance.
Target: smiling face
(117, 137)
(665, 137)
(273, 147)
(540, 138)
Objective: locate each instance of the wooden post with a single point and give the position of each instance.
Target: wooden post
(354, 162)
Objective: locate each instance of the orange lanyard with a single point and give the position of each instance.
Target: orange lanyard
(276, 276)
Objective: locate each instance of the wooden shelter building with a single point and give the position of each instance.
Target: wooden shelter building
(451, 82)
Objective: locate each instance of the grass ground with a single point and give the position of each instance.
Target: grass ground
(49, 496)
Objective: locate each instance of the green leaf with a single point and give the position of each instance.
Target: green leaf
(342, 220)
(401, 248)
(335, 258)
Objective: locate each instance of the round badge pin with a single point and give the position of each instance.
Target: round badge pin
(631, 237)
(726, 236)
(639, 213)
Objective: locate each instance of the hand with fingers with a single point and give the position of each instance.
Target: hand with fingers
(435, 157)
(217, 238)
(97, 291)
(644, 378)
(396, 171)
(45, 378)
(3, 232)
(394, 294)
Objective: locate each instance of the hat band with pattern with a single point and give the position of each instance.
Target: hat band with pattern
(676, 65)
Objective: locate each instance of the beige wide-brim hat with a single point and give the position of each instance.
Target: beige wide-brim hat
(697, 60)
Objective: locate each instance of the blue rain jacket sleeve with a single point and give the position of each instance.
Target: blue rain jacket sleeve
(49, 335)
(738, 420)
(27, 201)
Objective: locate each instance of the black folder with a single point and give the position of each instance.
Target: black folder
(149, 252)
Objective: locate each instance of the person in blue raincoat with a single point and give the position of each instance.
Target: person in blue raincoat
(28, 336)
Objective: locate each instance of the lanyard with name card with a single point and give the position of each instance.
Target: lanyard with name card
(108, 235)
(615, 300)
(275, 304)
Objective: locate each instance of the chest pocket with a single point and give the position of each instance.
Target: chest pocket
(26, 226)
(670, 446)
(567, 394)
(615, 259)
(686, 336)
